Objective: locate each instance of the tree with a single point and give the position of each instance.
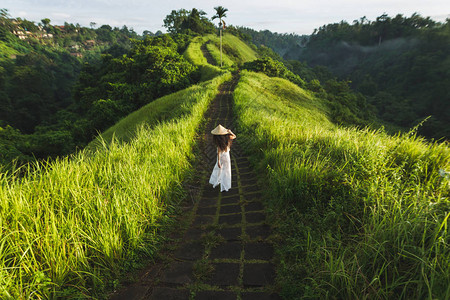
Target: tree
(220, 13)
(174, 21)
(92, 24)
(188, 22)
(45, 22)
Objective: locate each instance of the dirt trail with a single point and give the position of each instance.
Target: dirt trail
(208, 55)
(224, 253)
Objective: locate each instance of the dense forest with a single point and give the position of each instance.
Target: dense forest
(61, 85)
(279, 42)
(401, 64)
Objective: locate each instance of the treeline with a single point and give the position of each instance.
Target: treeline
(399, 63)
(279, 42)
(39, 66)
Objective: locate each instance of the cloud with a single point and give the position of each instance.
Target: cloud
(281, 16)
(60, 15)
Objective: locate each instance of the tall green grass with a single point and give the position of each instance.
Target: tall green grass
(69, 228)
(242, 52)
(215, 53)
(362, 215)
(193, 53)
(235, 52)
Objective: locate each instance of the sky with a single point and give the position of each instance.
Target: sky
(282, 16)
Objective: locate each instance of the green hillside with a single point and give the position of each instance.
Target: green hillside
(86, 218)
(235, 51)
(399, 63)
(359, 213)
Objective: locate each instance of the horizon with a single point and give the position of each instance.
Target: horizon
(284, 17)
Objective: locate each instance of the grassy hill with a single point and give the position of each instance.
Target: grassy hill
(360, 214)
(235, 51)
(74, 224)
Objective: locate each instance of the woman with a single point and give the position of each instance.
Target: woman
(221, 173)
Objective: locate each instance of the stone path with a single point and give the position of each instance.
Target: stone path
(207, 55)
(224, 252)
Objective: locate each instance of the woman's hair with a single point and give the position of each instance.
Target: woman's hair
(222, 142)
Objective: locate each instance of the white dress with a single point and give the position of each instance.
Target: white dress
(222, 175)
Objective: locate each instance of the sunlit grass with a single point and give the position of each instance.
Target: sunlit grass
(72, 226)
(245, 53)
(215, 53)
(194, 54)
(362, 214)
(242, 53)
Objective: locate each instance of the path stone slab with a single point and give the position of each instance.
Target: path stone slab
(259, 296)
(231, 192)
(208, 202)
(230, 209)
(230, 219)
(165, 293)
(178, 273)
(251, 189)
(231, 200)
(249, 181)
(255, 217)
(210, 192)
(206, 210)
(224, 274)
(254, 206)
(245, 170)
(230, 234)
(258, 274)
(203, 220)
(242, 165)
(253, 197)
(261, 231)
(231, 250)
(132, 292)
(193, 234)
(216, 295)
(190, 251)
(263, 251)
(160, 293)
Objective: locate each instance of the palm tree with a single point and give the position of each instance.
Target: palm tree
(220, 13)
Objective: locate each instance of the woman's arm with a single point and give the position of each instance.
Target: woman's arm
(232, 135)
(218, 158)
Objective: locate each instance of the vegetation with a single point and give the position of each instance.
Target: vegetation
(361, 214)
(221, 12)
(279, 42)
(194, 55)
(399, 63)
(39, 66)
(188, 22)
(346, 106)
(119, 85)
(75, 224)
(236, 52)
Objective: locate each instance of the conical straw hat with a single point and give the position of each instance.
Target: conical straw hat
(219, 130)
